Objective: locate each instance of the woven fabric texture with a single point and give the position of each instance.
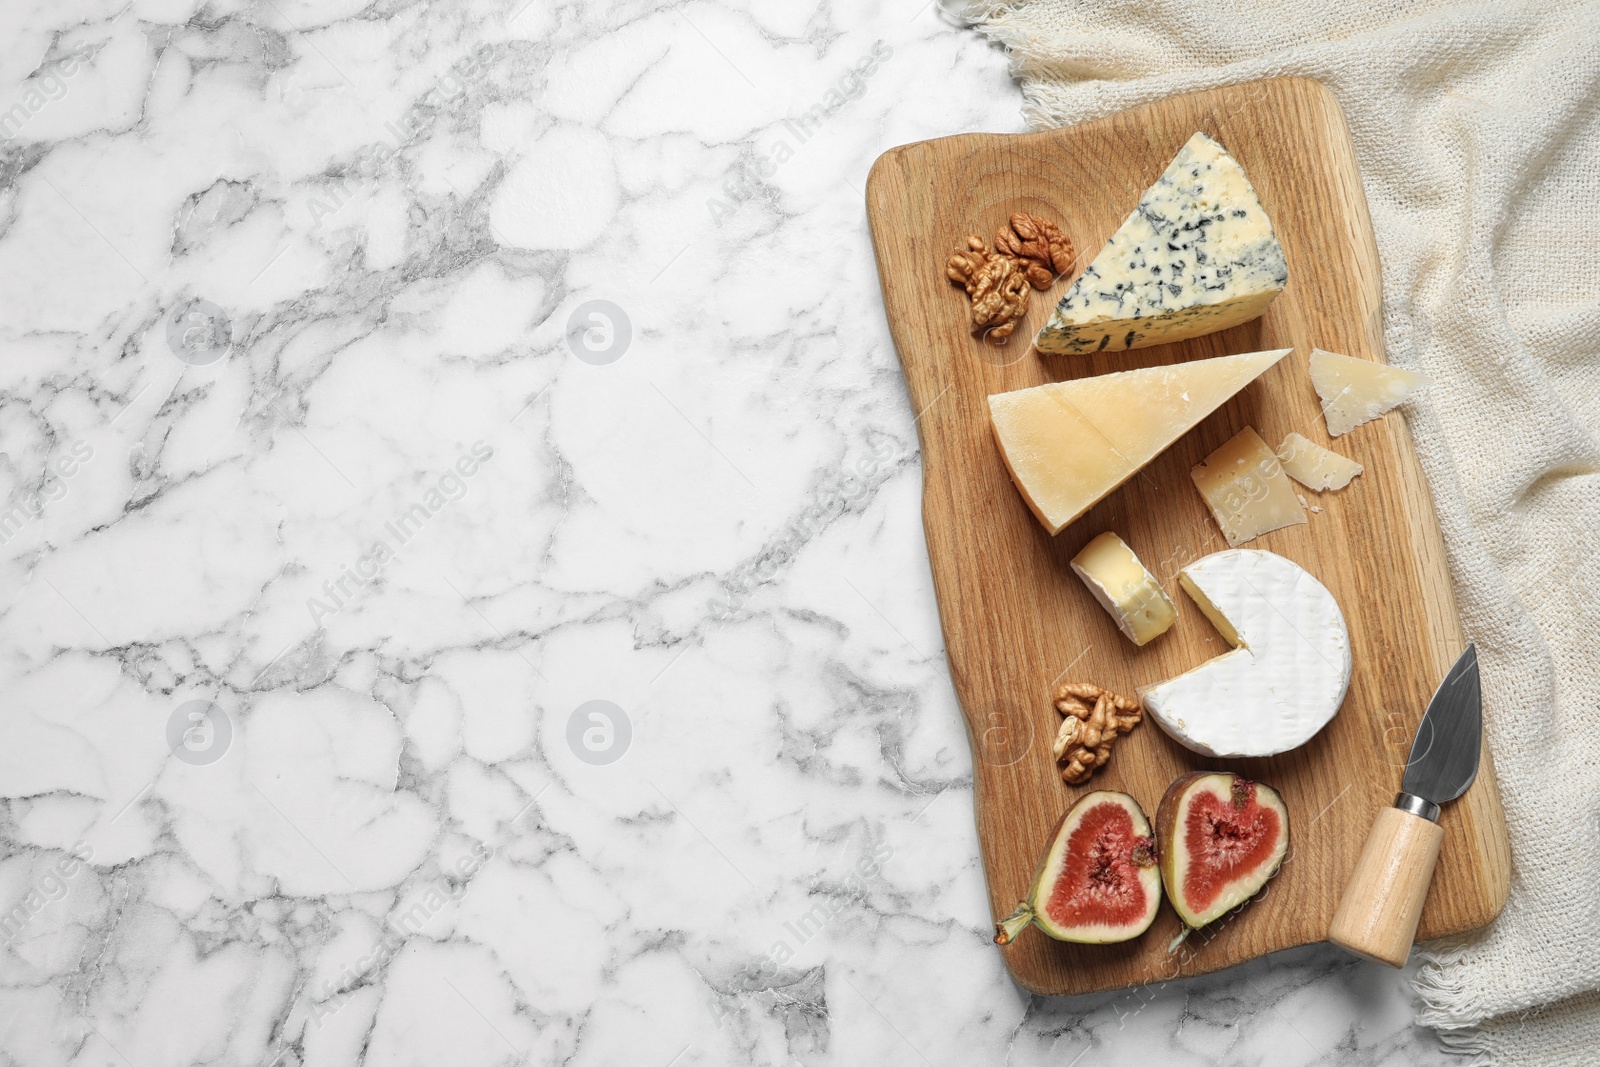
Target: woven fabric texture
(1477, 128)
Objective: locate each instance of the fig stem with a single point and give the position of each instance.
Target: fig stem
(1180, 939)
(1007, 929)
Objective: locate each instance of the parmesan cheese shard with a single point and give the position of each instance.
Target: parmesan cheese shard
(1197, 255)
(1068, 444)
(1245, 486)
(1125, 588)
(1315, 467)
(1355, 391)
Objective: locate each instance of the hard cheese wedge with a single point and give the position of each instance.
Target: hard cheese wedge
(1125, 588)
(1197, 255)
(1287, 673)
(1314, 466)
(1068, 444)
(1244, 484)
(1354, 391)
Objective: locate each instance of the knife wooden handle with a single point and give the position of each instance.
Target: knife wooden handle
(1377, 916)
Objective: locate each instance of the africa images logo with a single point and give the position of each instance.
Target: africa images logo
(48, 83)
(361, 577)
(745, 179)
(199, 732)
(599, 332)
(599, 732)
(199, 332)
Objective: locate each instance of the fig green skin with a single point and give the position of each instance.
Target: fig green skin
(1031, 912)
(1167, 841)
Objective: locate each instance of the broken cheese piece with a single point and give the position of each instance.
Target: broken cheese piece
(1355, 391)
(1245, 486)
(1068, 444)
(1316, 467)
(1125, 588)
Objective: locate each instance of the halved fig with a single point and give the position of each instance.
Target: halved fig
(1098, 881)
(1221, 837)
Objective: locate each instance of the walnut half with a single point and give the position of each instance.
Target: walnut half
(1095, 717)
(996, 284)
(1041, 250)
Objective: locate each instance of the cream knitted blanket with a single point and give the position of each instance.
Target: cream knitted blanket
(1478, 132)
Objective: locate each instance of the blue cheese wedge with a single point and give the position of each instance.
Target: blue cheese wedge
(1197, 255)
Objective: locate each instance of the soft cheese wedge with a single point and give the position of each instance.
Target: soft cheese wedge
(1068, 444)
(1125, 588)
(1244, 485)
(1316, 467)
(1354, 391)
(1287, 673)
(1197, 255)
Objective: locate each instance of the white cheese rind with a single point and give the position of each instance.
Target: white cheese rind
(1125, 588)
(1197, 255)
(1356, 391)
(1284, 681)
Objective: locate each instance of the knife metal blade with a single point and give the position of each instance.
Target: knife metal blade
(1444, 754)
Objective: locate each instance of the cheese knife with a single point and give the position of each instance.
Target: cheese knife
(1377, 916)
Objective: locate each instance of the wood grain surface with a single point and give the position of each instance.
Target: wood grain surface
(1016, 620)
(1377, 916)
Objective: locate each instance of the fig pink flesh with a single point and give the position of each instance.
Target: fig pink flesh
(1099, 880)
(1224, 842)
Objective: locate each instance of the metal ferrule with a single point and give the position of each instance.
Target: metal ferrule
(1418, 806)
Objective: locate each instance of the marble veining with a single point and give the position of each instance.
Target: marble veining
(462, 593)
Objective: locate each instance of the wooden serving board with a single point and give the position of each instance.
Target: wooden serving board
(1017, 620)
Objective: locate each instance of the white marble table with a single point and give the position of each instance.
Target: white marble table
(335, 501)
